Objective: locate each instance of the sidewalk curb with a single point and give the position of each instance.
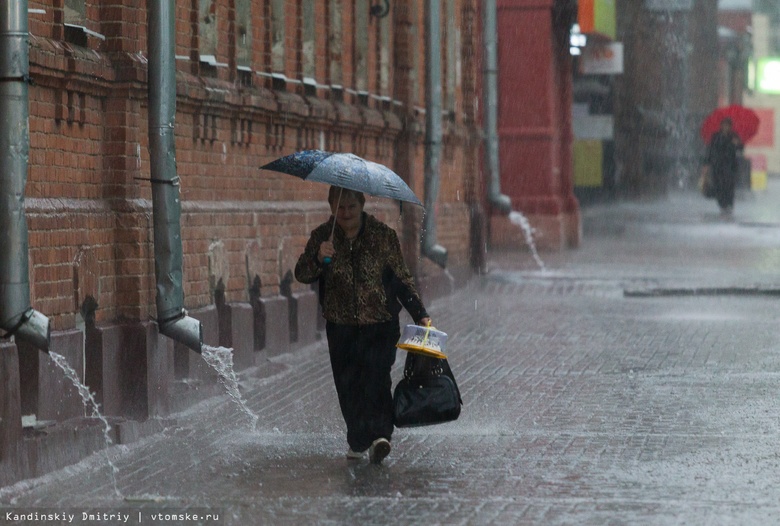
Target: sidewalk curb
(701, 291)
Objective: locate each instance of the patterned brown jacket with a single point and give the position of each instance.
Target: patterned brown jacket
(367, 281)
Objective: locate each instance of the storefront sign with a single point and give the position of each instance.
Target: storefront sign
(768, 75)
(594, 127)
(597, 17)
(602, 59)
(668, 5)
(765, 137)
(588, 163)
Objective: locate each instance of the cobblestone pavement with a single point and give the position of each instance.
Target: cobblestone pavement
(582, 405)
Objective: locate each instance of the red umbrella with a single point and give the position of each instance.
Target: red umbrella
(744, 122)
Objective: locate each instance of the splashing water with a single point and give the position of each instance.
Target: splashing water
(221, 360)
(88, 399)
(521, 221)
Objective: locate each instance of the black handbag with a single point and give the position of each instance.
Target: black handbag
(427, 394)
(706, 183)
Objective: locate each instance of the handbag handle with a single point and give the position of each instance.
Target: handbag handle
(427, 333)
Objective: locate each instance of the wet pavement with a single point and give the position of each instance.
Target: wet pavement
(583, 404)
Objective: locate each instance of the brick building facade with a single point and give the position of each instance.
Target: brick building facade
(264, 88)
(255, 80)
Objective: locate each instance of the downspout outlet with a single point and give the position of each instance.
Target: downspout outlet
(185, 330)
(500, 202)
(166, 201)
(436, 253)
(433, 131)
(17, 317)
(33, 328)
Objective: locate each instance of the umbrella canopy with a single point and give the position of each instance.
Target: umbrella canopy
(347, 171)
(745, 122)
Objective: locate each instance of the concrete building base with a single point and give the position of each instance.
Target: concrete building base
(130, 368)
(435, 285)
(45, 449)
(10, 401)
(304, 308)
(275, 323)
(195, 380)
(236, 331)
(62, 435)
(189, 364)
(45, 390)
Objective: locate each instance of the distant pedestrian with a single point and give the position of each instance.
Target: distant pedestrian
(721, 160)
(363, 283)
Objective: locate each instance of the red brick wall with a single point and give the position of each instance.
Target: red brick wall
(89, 210)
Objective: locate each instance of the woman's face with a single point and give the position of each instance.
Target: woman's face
(348, 213)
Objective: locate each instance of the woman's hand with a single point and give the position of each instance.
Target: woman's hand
(326, 251)
(425, 322)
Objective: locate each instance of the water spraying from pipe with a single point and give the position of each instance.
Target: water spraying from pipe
(522, 222)
(88, 399)
(221, 360)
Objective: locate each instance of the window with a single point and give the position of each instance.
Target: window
(244, 35)
(76, 31)
(334, 45)
(418, 49)
(452, 58)
(384, 56)
(309, 58)
(75, 12)
(207, 37)
(278, 36)
(361, 47)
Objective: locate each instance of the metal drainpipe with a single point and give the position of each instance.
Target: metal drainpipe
(166, 206)
(433, 131)
(496, 199)
(17, 317)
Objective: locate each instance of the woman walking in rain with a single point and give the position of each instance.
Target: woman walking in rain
(721, 160)
(363, 284)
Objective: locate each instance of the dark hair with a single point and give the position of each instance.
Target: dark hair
(727, 120)
(333, 195)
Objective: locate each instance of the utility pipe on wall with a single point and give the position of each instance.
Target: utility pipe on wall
(433, 131)
(498, 200)
(166, 205)
(17, 317)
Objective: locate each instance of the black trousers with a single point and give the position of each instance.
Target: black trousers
(725, 184)
(361, 357)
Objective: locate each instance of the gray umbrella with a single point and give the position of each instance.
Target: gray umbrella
(347, 171)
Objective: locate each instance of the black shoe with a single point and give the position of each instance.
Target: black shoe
(379, 450)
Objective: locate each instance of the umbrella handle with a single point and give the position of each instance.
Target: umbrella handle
(328, 260)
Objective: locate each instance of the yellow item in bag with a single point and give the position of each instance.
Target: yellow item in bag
(423, 340)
